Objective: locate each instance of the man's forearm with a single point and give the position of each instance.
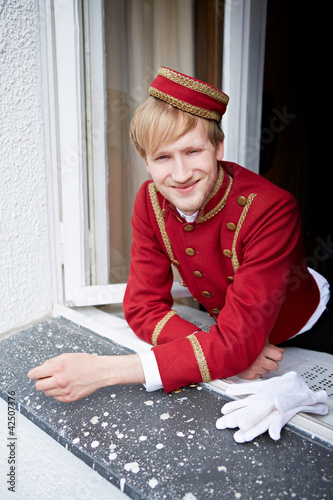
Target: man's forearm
(72, 376)
(123, 369)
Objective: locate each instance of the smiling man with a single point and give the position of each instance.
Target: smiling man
(185, 171)
(235, 239)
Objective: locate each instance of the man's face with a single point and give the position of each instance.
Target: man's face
(185, 171)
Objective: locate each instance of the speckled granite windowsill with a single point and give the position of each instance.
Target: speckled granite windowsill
(157, 445)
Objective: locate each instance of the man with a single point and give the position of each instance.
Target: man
(236, 241)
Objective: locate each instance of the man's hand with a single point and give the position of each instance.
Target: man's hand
(267, 361)
(69, 377)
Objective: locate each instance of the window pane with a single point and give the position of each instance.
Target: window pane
(125, 44)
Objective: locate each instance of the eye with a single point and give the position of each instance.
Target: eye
(161, 158)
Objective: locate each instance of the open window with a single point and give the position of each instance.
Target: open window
(103, 55)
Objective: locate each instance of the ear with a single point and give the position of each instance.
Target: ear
(220, 151)
(147, 167)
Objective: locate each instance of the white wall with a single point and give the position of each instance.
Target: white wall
(25, 268)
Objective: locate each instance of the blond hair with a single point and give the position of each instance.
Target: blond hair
(156, 122)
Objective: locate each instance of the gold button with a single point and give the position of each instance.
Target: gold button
(198, 274)
(177, 391)
(188, 228)
(230, 278)
(176, 263)
(241, 200)
(216, 310)
(193, 384)
(206, 294)
(231, 226)
(227, 253)
(163, 212)
(182, 283)
(190, 252)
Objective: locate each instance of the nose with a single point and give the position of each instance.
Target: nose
(181, 172)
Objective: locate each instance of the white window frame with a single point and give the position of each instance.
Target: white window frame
(64, 97)
(243, 73)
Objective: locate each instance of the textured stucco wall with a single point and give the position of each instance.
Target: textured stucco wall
(25, 272)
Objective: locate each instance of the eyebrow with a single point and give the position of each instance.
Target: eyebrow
(166, 150)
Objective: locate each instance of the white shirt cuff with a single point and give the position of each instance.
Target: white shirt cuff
(151, 372)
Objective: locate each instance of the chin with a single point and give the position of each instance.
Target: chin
(187, 209)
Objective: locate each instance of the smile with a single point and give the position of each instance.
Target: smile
(187, 188)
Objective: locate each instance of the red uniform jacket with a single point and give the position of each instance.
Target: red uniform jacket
(242, 259)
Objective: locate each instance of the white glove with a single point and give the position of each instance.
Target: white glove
(272, 423)
(270, 405)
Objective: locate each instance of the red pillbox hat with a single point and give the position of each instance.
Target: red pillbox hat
(189, 94)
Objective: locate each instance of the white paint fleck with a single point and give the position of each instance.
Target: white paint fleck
(94, 444)
(143, 438)
(159, 446)
(106, 413)
(94, 420)
(112, 456)
(149, 403)
(238, 495)
(86, 433)
(38, 407)
(153, 483)
(59, 346)
(113, 395)
(122, 484)
(189, 496)
(222, 468)
(180, 434)
(76, 440)
(120, 435)
(104, 424)
(132, 467)
(164, 416)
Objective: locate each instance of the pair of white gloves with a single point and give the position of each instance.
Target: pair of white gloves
(269, 405)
